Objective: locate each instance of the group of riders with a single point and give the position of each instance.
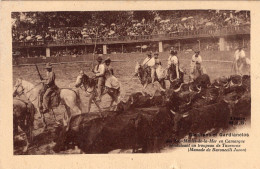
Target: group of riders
(105, 79)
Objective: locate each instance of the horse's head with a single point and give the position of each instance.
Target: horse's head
(137, 68)
(89, 83)
(18, 88)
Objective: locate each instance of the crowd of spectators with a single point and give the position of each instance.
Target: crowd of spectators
(60, 26)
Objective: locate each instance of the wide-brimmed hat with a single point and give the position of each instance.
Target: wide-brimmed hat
(149, 54)
(174, 52)
(240, 47)
(48, 66)
(108, 59)
(99, 58)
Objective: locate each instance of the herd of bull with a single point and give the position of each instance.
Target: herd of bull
(146, 123)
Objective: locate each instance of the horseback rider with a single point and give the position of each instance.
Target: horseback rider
(240, 60)
(196, 61)
(112, 87)
(173, 62)
(99, 71)
(48, 87)
(157, 60)
(149, 62)
(108, 66)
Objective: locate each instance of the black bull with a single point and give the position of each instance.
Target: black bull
(142, 129)
(200, 120)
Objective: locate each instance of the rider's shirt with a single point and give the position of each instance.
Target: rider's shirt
(50, 81)
(149, 62)
(112, 82)
(239, 54)
(172, 60)
(99, 70)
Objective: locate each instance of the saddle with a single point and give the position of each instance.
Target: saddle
(148, 73)
(54, 99)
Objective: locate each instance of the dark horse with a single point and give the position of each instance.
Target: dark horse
(172, 76)
(144, 75)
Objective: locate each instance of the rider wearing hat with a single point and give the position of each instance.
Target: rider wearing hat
(196, 61)
(240, 59)
(108, 66)
(48, 87)
(112, 87)
(173, 60)
(149, 61)
(99, 72)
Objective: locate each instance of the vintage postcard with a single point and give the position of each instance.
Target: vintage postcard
(129, 84)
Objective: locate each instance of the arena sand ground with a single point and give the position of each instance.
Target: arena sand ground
(66, 75)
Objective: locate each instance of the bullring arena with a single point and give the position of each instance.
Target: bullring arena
(218, 63)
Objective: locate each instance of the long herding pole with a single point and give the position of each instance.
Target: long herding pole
(94, 51)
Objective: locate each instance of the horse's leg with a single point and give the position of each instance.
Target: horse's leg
(53, 114)
(96, 103)
(91, 98)
(111, 103)
(162, 85)
(24, 128)
(144, 87)
(44, 122)
(66, 116)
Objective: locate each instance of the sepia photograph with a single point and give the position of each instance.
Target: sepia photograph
(130, 81)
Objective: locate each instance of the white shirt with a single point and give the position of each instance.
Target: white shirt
(149, 61)
(99, 70)
(239, 54)
(172, 60)
(195, 59)
(112, 82)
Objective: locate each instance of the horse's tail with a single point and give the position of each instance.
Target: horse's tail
(31, 110)
(78, 100)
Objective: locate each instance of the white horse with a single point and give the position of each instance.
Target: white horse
(69, 98)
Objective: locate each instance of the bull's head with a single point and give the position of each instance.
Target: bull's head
(231, 105)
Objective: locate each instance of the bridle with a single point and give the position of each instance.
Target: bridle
(85, 84)
(22, 91)
(16, 87)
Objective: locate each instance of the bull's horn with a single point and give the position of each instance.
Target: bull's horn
(240, 83)
(132, 100)
(227, 85)
(185, 115)
(190, 89)
(203, 97)
(189, 102)
(173, 112)
(226, 101)
(236, 101)
(199, 88)
(231, 83)
(216, 87)
(178, 88)
(162, 89)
